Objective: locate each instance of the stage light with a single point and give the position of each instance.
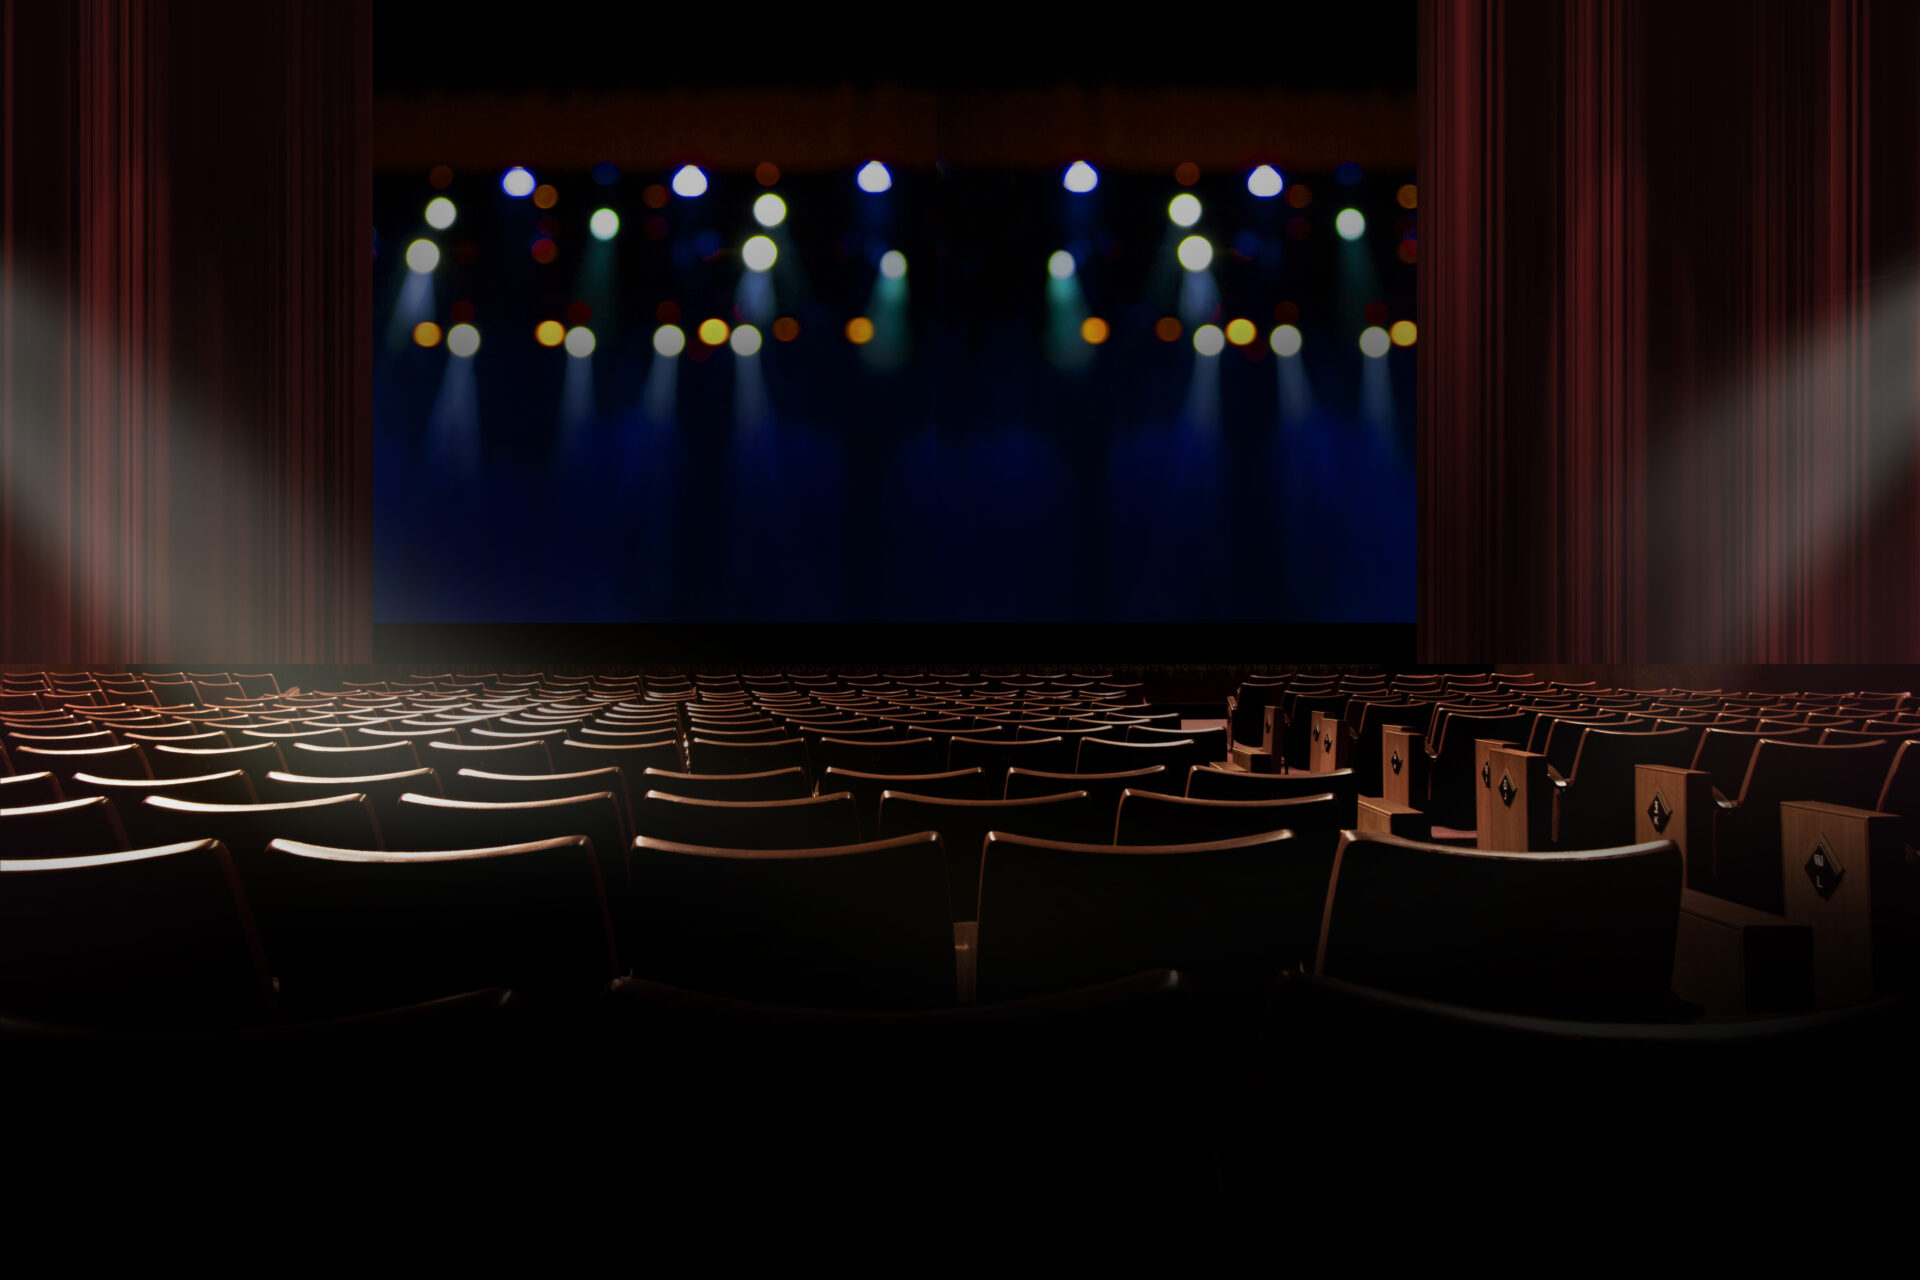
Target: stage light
(517, 182)
(1285, 340)
(893, 264)
(1186, 173)
(769, 210)
(766, 173)
(1409, 250)
(786, 329)
(545, 250)
(745, 340)
(440, 213)
(579, 313)
(549, 333)
(1375, 312)
(463, 339)
(1374, 342)
(689, 182)
(1299, 196)
(668, 340)
(713, 332)
(1080, 178)
(859, 331)
(1094, 330)
(1061, 265)
(1351, 224)
(441, 176)
(1408, 196)
(654, 196)
(1403, 333)
(1184, 210)
(605, 224)
(422, 256)
(606, 173)
(1241, 332)
(426, 334)
(580, 341)
(873, 177)
(1195, 253)
(1208, 340)
(546, 195)
(667, 312)
(1348, 173)
(461, 312)
(758, 253)
(1167, 329)
(1265, 182)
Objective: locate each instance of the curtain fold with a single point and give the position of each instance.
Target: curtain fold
(185, 250)
(1668, 331)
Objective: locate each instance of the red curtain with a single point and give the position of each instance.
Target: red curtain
(1669, 331)
(185, 249)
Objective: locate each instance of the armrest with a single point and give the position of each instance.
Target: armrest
(1726, 912)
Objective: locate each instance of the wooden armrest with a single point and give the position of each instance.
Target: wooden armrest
(1723, 911)
(966, 958)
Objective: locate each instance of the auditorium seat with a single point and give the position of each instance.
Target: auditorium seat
(994, 756)
(1593, 805)
(129, 760)
(382, 790)
(448, 758)
(1205, 782)
(1229, 914)
(1101, 755)
(231, 786)
(704, 755)
(158, 938)
(20, 790)
(1587, 934)
(352, 931)
(1724, 754)
(775, 784)
(1900, 793)
(1150, 818)
(62, 829)
(815, 822)
(313, 760)
(1745, 862)
(256, 761)
(506, 788)
(963, 826)
(889, 755)
(856, 926)
(1103, 792)
(867, 788)
(75, 738)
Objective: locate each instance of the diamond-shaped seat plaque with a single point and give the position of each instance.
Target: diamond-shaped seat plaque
(1658, 812)
(1507, 790)
(1824, 869)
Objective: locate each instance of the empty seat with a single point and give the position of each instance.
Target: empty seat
(128, 760)
(994, 756)
(1450, 777)
(256, 761)
(158, 937)
(344, 821)
(867, 788)
(1588, 934)
(1724, 754)
(355, 930)
(1230, 914)
(704, 755)
(963, 826)
(1745, 863)
(23, 789)
(1593, 805)
(62, 829)
(574, 756)
(231, 786)
(1147, 817)
(1204, 783)
(1209, 744)
(503, 788)
(448, 758)
(811, 823)
(775, 784)
(319, 761)
(1102, 755)
(890, 755)
(382, 790)
(861, 926)
(1103, 792)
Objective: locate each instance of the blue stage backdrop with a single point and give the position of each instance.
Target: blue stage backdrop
(971, 396)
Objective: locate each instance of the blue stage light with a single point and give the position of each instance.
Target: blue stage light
(1080, 178)
(517, 182)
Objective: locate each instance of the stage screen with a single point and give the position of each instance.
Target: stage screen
(894, 393)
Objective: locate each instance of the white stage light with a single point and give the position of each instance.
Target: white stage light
(423, 256)
(579, 341)
(1195, 253)
(1265, 182)
(1184, 210)
(745, 340)
(769, 210)
(668, 340)
(1080, 178)
(758, 253)
(517, 182)
(1374, 342)
(689, 182)
(873, 177)
(1286, 341)
(1061, 265)
(463, 339)
(605, 224)
(1208, 340)
(893, 264)
(440, 213)
(1351, 224)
